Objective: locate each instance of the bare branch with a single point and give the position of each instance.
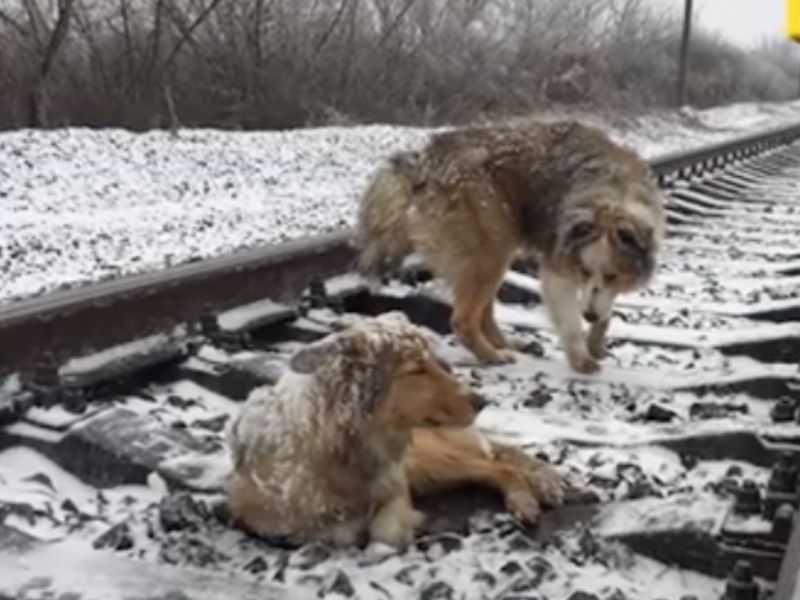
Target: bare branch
(36, 97)
(188, 34)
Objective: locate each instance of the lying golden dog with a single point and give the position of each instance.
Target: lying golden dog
(363, 419)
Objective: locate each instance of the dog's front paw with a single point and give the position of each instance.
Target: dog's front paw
(517, 343)
(396, 524)
(582, 362)
(499, 357)
(596, 340)
(548, 485)
(523, 506)
(597, 348)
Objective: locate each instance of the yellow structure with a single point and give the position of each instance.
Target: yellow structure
(793, 19)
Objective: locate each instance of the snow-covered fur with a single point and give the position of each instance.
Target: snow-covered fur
(323, 454)
(320, 454)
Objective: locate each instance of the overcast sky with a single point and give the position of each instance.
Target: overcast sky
(744, 22)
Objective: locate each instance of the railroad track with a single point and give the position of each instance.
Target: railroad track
(115, 396)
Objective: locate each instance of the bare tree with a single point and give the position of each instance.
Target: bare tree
(37, 97)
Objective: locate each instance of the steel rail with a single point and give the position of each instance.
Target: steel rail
(788, 585)
(85, 318)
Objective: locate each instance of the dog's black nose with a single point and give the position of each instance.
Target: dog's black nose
(478, 402)
(590, 316)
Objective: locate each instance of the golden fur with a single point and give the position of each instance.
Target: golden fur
(364, 418)
(473, 199)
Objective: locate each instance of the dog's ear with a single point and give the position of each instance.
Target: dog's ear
(309, 359)
(376, 379)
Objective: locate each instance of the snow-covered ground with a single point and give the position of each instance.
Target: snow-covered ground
(81, 205)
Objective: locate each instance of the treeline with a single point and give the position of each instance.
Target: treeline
(287, 63)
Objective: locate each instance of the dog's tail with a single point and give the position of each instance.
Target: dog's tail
(381, 233)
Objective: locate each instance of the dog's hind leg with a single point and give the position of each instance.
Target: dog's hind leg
(491, 329)
(561, 297)
(493, 333)
(441, 459)
(474, 293)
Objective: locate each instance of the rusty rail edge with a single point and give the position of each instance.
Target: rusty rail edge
(65, 323)
(76, 321)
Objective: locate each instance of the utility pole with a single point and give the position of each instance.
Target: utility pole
(687, 28)
(793, 21)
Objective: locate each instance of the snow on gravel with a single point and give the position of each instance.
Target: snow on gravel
(81, 205)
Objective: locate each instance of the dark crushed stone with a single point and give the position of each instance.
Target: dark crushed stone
(715, 410)
(512, 567)
(581, 595)
(280, 572)
(617, 594)
(541, 569)
(215, 424)
(339, 584)
(438, 590)
(727, 486)
(117, 538)
(310, 556)
(221, 512)
(181, 512)
(41, 478)
(191, 551)
(448, 542)
(659, 414)
(524, 583)
(379, 588)
(485, 577)
(256, 566)
(588, 548)
(734, 471)
(404, 575)
(533, 348)
(182, 403)
(538, 398)
(689, 461)
(638, 483)
(521, 542)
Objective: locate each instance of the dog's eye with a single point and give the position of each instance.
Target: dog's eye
(628, 238)
(609, 278)
(587, 274)
(580, 231)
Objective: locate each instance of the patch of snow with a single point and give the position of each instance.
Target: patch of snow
(29, 478)
(249, 315)
(82, 205)
(116, 357)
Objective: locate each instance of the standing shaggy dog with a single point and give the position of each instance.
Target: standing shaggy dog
(472, 199)
(364, 418)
